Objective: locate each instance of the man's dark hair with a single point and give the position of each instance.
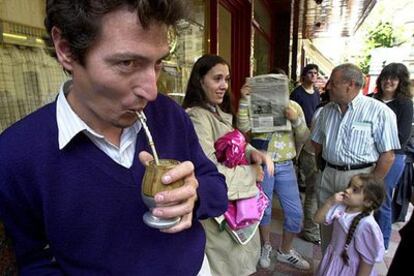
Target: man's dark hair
(396, 71)
(309, 67)
(195, 94)
(80, 20)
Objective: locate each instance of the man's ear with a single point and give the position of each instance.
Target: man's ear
(350, 86)
(62, 49)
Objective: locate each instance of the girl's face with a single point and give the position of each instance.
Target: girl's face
(389, 85)
(354, 195)
(215, 83)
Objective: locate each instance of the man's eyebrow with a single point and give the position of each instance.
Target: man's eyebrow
(131, 56)
(124, 56)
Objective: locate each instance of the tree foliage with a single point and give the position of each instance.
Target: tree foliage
(381, 36)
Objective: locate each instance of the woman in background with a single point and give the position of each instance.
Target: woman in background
(208, 104)
(393, 85)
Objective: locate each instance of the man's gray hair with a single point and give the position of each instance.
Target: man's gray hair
(351, 72)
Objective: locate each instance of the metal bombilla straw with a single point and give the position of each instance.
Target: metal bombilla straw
(143, 120)
(151, 184)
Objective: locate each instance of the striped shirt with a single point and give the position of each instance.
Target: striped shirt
(367, 129)
(69, 125)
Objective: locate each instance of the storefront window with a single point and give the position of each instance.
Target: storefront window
(29, 76)
(262, 16)
(261, 54)
(187, 44)
(262, 33)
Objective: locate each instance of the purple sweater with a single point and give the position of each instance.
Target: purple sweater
(88, 209)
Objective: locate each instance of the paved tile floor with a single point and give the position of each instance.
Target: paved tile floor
(313, 252)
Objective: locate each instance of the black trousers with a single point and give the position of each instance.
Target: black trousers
(403, 259)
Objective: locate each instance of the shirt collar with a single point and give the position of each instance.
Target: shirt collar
(227, 117)
(70, 124)
(356, 101)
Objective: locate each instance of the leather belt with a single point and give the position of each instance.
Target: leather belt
(349, 167)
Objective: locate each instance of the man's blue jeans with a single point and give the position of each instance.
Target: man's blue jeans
(383, 215)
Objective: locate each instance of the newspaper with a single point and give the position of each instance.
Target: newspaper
(268, 101)
(241, 236)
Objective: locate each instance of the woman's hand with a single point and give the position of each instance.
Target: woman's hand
(260, 157)
(245, 91)
(291, 114)
(259, 172)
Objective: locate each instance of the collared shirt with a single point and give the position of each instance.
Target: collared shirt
(367, 129)
(70, 124)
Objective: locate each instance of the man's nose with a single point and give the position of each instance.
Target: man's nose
(148, 84)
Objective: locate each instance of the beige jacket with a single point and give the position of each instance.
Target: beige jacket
(241, 180)
(225, 256)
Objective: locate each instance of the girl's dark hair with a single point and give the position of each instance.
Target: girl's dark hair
(195, 94)
(373, 190)
(396, 71)
(80, 20)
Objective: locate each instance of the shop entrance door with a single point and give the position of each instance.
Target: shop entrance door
(230, 37)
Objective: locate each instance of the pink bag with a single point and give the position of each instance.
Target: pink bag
(230, 150)
(244, 212)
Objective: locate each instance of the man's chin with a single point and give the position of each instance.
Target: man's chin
(127, 120)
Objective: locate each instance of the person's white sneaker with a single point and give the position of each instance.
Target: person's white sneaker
(293, 258)
(265, 255)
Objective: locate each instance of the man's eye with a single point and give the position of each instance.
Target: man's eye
(127, 63)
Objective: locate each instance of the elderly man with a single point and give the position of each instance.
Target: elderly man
(353, 134)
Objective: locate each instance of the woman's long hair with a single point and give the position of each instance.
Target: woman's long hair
(195, 94)
(395, 70)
